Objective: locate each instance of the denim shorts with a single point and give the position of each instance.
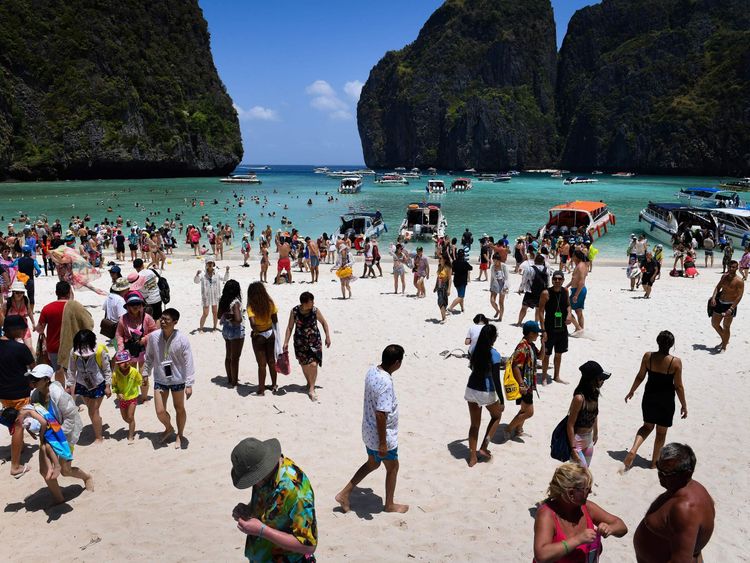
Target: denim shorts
(233, 332)
(94, 393)
(461, 291)
(166, 387)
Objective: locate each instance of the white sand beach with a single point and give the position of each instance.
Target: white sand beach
(160, 504)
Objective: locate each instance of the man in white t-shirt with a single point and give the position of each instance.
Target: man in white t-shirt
(380, 429)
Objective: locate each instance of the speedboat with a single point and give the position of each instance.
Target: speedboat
(435, 187)
(711, 197)
(734, 222)
(461, 185)
(577, 218)
(623, 174)
(321, 170)
(241, 179)
(260, 168)
(341, 174)
(400, 169)
(741, 184)
(423, 221)
(392, 180)
(579, 180)
(502, 177)
(365, 172)
(412, 175)
(596, 172)
(486, 177)
(351, 185)
(666, 219)
(432, 171)
(362, 223)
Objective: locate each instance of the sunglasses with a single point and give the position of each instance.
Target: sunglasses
(557, 279)
(663, 473)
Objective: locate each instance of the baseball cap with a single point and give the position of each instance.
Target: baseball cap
(41, 371)
(531, 326)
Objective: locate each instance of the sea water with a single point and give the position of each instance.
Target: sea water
(515, 207)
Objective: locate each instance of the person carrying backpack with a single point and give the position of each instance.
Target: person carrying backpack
(539, 281)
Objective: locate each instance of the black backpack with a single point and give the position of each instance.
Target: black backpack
(163, 285)
(539, 283)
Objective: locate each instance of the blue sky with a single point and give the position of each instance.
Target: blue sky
(294, 68)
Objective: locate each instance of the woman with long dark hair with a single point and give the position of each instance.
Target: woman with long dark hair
(583, 415)
(262, 313)
(484, 389)
(232, 328)
(664, 381)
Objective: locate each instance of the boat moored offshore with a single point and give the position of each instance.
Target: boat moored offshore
(241, 179)
(423, 221)
(435, 187)
(578, 218)
(461, 185)
(350, 185)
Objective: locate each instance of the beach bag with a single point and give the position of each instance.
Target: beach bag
(512, 391)
(559, 447)
(98, 356)
(41, 351)
(108, 328)
(163, 285)
(345, 272)
(23, 278)
(282, 363)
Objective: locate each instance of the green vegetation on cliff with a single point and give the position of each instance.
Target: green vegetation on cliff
(113, 88)
(476, 89)
(660, 86)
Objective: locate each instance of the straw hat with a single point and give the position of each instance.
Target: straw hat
(120, 285)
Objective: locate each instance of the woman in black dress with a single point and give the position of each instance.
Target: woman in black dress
(649, 269)
(308, 348)
(664, 380)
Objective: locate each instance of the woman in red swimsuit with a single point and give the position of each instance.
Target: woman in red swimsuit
(568, 527)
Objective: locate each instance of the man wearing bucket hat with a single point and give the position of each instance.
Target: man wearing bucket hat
(280, 518)
(62, 406)
(14, 389)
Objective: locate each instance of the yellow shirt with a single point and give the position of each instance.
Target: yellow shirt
(262, 323)
(127, 384)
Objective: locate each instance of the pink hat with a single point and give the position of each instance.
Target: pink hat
(122, 357)
(133, 277)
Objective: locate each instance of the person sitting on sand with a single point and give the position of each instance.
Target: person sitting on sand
(664, 381)
(680, 522)
(524, 371)
(724, 300)
(484, 389)
(379, 429)
(170, 358)
(568, 527)
(280, 518)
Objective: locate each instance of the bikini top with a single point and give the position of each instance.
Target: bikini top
(586, 416)
(584, 553)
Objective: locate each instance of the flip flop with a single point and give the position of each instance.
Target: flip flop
(23, 472)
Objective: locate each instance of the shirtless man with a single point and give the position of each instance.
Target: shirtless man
(284, 262)
(725, 298)
(577, 288)
(679, 523)
(314, 252)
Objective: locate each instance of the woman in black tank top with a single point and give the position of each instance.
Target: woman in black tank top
(664, 381)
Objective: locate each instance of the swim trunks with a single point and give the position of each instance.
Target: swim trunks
(284, 264)
(578, 298)
(722, 307)
(125, 403)
(314, 261)
(390, 455)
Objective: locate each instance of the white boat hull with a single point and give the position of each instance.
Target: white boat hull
(658, 228)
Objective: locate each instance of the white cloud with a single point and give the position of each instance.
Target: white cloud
(257, 113)
(353, 89)
(325, 99)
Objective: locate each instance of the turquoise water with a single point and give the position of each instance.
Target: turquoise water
(514, 207)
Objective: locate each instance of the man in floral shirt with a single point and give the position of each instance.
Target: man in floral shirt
(280, 519)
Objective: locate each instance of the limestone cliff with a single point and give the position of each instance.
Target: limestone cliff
(659, 86)
(111, 88)
(476, 89)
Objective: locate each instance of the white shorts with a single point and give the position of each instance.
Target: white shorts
(482, 398)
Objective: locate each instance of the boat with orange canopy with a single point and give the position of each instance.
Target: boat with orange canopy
(577, 218)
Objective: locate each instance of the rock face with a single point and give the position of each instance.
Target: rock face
(113, 88)
(476, 89)
(659, 86)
